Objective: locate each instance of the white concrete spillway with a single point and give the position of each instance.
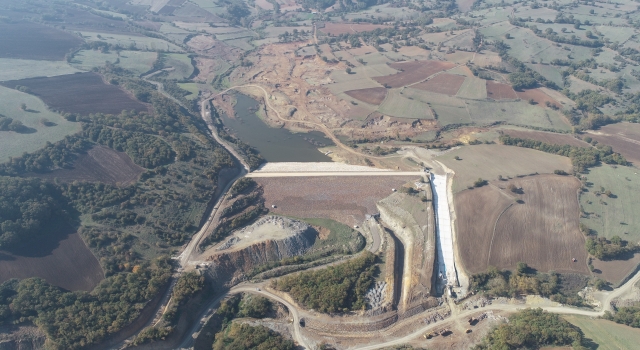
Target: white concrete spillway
(447, 274)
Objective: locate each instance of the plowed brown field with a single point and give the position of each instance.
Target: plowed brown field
(542, 231)
(499, 91)
(538, 96)
(342, 198)
(413, 72)
(67, 263)
(624, 138)
(547, 137)
(615, 271)
(100, 164)
(447, 84)
(374, 96)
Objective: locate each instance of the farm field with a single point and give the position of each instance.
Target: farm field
(193, 89)
(346, 28)
(616, 215)
(542, 231)
(33, 41)
(607, 334)
(15, 69)
(345, 199)
(499, 91)
(13, 144)
(489, 161)
(139, 62)
(538, 96)
(396, 105)
(126, 41)
(83, 93)
(66, 263)
(99, 164)
(179, 65)
(624, 138)
(473, 88)
(447, 84)
(517, 113)
(615, 271)
(373, 96)
(413, 72)
(547, 137)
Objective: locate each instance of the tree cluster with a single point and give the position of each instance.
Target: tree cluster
(240, 336)
(605, 249)
(10, 124)
(338, 288)
(629, 316)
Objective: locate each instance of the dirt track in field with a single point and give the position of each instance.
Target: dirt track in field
(373, 96)
(99, 164)
(542, 231)
(413, 72)
(447, 84)
(345, 199)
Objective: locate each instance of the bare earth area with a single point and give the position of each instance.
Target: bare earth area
(100, 164)
(447, 84)
(70, 265)
(541, 231)
(498, 91)
(374, 96)
(344, 199)
(538, 96)
(615, 271)
(413, 72)
(624, 138)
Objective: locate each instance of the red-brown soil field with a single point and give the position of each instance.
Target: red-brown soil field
(447, 84)
(542, 231)
(374, 96)
(33, 41)
(413, 72)
(68, 264)
(615, 271)
(99, 164)
(547, 137)
(624, 138)
(499, 91)
(347, 28)
(346, 199)
(82, 93)
(538, 96)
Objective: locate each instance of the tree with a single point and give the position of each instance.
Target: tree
(23, 106)
(507, 36)
(348, 70)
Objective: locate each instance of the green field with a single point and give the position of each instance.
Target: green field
(607, 335)
(489, 161)
(139, 62)
(473, 88)
(615, 215)
(519, 113)
(179, 64)
(13, 69)
(126, 41)
(396, 105)
(192, 88)
(13, 144)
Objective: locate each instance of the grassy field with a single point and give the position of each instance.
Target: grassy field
(14, 69)
(474, 88)
(181, 64)
(139, 62)
(613, 216)
(399, 106)
(607, 335)
(489, 161)
(519, 113)
(192, 88)
(13, 144)
(140, 42)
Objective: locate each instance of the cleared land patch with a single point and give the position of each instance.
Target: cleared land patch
(616, 271)
(139, 62)
(68, 264)
(345, 199)
(447, 84)
(489, 161)
(373, 96)
(35, 41)
(13, 144)
(139, 42)
(99, 164)
(538, 96)
(396, 105)
(413, 72)
(624, 138)
(80, 93)
(499, 91)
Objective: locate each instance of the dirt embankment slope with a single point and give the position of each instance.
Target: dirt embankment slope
(412, 221)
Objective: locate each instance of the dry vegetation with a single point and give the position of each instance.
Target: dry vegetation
(373, 96)
(540, 230)
(413, 72)
(447, 84)
(624, 138)
(499, 91)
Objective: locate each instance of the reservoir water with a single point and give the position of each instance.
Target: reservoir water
(274, 144)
